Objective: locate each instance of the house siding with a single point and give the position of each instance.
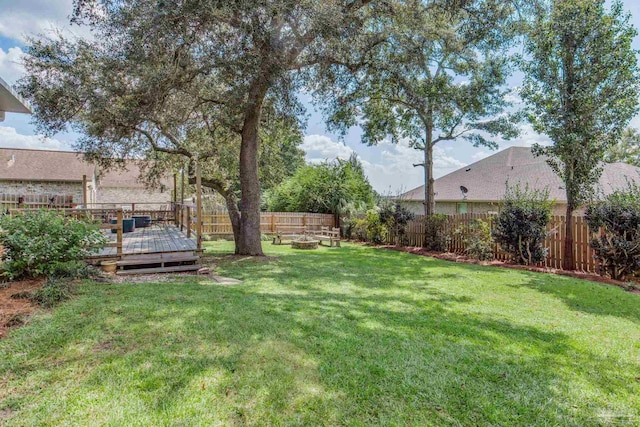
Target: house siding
(449, 208)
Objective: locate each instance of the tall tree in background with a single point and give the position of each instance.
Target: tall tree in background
(626, 150)
(330, 187)
(438, 77)
(581, 84)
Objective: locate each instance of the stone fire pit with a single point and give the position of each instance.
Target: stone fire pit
(304, 242)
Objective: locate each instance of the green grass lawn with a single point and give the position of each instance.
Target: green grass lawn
(350, 336)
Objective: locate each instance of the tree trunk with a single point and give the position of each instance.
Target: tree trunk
(234, 216)
(568, 262)
(429, 193)
(231, 202)
(249, 241)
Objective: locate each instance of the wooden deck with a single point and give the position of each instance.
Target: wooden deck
(159, 238)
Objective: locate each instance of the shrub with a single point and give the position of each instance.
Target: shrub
(36, 243)
(478, 240)
(617, 246)
(52, 293)
(521, 226)
(435, 237)
(368, 228)
(395, 217)
(348, 227)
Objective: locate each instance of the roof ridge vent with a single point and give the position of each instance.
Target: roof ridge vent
(510, 157)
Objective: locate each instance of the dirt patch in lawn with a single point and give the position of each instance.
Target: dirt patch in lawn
(15, 306)
(453, 257)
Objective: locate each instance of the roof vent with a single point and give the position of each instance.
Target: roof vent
(467, 169)
(11, 161)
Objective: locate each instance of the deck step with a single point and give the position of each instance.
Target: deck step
(174, 269)
(128, 261)
(157, 255)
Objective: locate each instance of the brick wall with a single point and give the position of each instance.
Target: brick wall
(123, 195)
(23, 188)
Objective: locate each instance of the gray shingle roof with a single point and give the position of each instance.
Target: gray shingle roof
(486, 179)
(18, 164)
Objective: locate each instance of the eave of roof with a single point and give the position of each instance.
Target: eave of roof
(10, 101)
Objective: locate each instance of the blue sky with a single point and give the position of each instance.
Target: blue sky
(389, 167)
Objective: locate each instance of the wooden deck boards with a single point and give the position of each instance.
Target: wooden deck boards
(155, 239)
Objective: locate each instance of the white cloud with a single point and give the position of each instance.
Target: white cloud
(527, 138)
(24, 18)
(10, 138)
(389, 167)
(11, 68)
(321, 147)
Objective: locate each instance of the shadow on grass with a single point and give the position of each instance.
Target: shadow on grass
(350, 337)
(587, 297)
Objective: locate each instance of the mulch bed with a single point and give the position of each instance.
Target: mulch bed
(448, 256)
(14, 311)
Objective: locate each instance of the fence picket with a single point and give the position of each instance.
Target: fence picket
(415, 234)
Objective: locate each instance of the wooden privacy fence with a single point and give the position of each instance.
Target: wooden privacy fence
(583, 254)
(217, 223)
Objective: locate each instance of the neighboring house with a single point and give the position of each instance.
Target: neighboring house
(64, 179)
(485, 183)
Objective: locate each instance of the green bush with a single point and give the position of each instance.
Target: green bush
(617, 246)
(521, 226)
(478, 241)
(368, 228)
(435, 237)
(395, 217)
(52, 293)
(36, 243)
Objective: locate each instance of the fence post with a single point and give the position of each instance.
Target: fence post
(84, 191)
(119, 233)
(273, 223)
(198, 206)
(189, 221)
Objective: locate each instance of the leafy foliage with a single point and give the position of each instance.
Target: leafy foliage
(37, 243)
(395, 217)
(369, 228)
(435, 237)
(616, 219)
(330, 187)
(52, 293)
(521, 225)
(626, 150)
(478, 240)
